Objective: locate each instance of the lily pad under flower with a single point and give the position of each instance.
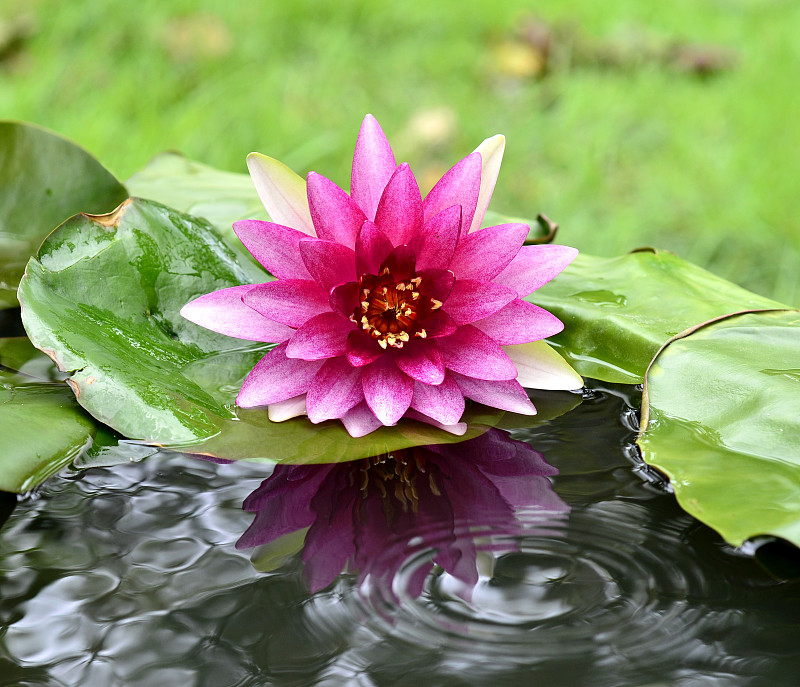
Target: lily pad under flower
(387, 305)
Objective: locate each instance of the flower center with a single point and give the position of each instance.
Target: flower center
(389, 310)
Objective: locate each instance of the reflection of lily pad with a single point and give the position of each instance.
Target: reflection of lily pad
(103, 300)
(44, 180)
(722, 420)
(618, 312)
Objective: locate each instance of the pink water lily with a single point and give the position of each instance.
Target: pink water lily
(386, 304)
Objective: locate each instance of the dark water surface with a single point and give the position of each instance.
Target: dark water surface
(129, 575)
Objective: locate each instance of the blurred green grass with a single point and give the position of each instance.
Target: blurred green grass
(622, 140)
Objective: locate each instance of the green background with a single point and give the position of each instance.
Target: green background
(622, 141)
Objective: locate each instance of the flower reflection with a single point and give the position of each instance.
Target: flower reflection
(365, 517)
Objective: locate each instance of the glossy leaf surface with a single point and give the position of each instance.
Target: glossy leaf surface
(197, 189)
(721, 417)
(617, 312)
(44, 428)
(44, 179)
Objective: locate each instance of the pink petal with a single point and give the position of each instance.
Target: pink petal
(276, 378)
(438, 324)
(472, 300)
(460, 186)
(436, 283)
(337, 217)
(399, 212)
(334, 390)
(505, 395)
(422, 361)
(485, 253)
(491, 151)
(362, 349)
(401, 263)
(275, 246)
(360, 420)
(289, 301)
(282, 192)
(436, 242)
(223, 311)
(344, 298)
(373, 166)
(387, 390)
(323, 336)
(330, 263)
(372, 248)
(534, 266)
(472, 353)
(519, 322)
(444, 402)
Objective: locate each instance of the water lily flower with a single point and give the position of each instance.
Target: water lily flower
(386, 304)
(368, 516)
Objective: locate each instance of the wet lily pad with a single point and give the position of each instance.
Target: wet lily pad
(194, 188)
(44, 429)
(619, 311)
(18, 354)
(44, 180)
(721, 417)
(103, 301)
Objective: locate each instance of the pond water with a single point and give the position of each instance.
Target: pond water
(130, 575)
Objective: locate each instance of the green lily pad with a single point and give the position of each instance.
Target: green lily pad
(197, 189)
(44, 180)
(44, 429)
(103, 301)
(721, 417)
(18, 354)
(617, 312)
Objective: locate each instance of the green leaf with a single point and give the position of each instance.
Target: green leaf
(617, 312)
(44, 429)
(197, 189)
(721, 417)
(103, 301)
(44, 179)
(19, 355)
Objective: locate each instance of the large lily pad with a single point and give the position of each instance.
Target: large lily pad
(721, 417)
(44, 179)
(619, 311)
(44, 429)
(103, 301)
(197, 189)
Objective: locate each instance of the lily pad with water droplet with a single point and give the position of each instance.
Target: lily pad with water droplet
(721, 417)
